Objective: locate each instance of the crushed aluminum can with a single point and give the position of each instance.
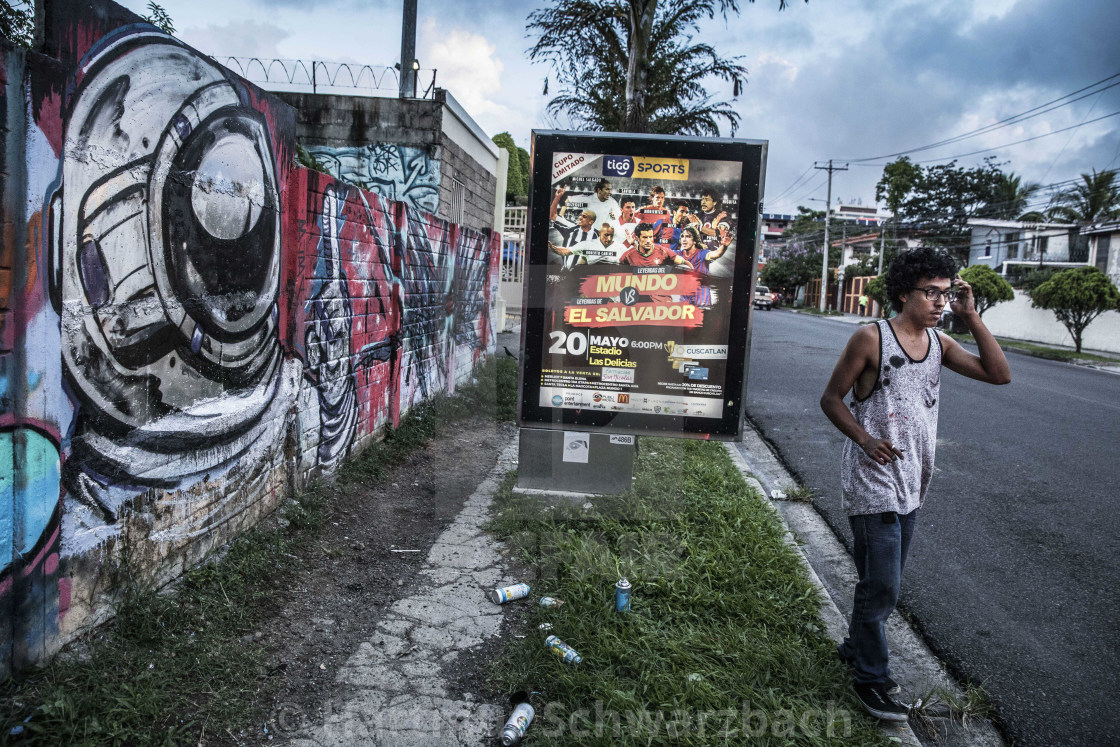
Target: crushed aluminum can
(622, 593)
(550, 602)
(563, 650)
(508, 593)
(544, 626)
(517, 724)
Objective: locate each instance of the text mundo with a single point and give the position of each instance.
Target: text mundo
(747, 721)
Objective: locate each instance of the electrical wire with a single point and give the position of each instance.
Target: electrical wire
(1013, 119)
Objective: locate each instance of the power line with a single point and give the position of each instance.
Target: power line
(1020, 142)
(791, 186)
(1014, 119)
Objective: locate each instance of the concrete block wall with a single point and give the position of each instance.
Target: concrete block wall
(190, 325)
(400, 149)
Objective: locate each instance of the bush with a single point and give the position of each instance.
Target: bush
(988, 288)
(1077, 297)
(1031, 279)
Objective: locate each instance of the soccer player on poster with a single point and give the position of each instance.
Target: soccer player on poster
(711, 218)
(649, 254)
(658, 216)
(700, 257)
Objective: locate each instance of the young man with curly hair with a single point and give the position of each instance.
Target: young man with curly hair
(893, 370)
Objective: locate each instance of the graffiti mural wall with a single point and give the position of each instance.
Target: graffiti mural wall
(396, 172)
(188, 322)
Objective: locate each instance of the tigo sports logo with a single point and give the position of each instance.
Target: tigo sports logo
(618, 166)
(646, 168)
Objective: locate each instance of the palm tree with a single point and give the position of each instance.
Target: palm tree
(1096, 198)
(1010, 197)
(632, 66)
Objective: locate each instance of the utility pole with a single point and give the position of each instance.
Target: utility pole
(827, 210)
(408, 51)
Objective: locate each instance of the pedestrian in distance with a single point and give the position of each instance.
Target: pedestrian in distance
(893, 370)
(863, 304)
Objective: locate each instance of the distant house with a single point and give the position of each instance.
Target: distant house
(1104, 248)
(1008, 246)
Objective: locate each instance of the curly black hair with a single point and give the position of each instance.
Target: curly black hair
(909, 267)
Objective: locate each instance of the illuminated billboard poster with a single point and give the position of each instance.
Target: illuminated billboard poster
(638, 284)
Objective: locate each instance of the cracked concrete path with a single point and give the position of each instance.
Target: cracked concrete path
(394, 689)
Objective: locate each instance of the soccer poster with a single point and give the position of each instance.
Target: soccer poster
(640, 270)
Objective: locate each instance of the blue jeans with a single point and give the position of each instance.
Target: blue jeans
(881, 544)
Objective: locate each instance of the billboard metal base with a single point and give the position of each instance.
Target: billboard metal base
(551, 461)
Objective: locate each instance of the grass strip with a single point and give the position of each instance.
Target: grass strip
(172, 668)
(1038, 351)
(724, 642)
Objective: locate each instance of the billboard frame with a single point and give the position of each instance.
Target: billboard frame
(751, 154)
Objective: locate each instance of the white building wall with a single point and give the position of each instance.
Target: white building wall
(1020, 321)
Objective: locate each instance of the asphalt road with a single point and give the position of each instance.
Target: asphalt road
(1013, 574)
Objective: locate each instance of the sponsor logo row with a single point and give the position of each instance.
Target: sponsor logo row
(580, 399)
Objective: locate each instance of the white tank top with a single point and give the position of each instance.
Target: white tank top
(902, 408)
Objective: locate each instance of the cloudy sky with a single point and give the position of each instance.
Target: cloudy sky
(851, 80)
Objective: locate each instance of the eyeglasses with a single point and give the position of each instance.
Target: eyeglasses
(932, 294)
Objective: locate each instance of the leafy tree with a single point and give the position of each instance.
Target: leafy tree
(860, 269)
(160, 18)
(1096, 198)
(940, 199)
(988, 287)
(17, 22)
(523, 160)
(876, 289)
(516, 186)
(897, 182)
(633, 65)
(1010, 197)
(1077, 296)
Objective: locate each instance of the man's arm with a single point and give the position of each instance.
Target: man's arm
(991, 365)
(554, 205)
(858, 355)
(712, 228)
(679, 260)
(724, 242)
(563, 251)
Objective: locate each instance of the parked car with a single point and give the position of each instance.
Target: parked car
(763, 298)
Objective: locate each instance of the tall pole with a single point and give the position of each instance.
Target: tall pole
(408, 50)
(827, 210)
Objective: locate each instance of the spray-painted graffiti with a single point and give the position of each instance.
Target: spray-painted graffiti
(395, 172)
(166, 274)
(328, 341)
(188, 323)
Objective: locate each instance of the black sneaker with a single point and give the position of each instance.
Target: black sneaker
(891, 686)
(879, 704)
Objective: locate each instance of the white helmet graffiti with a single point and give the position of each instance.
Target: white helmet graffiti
(165, 247)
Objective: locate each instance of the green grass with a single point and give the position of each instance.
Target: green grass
(176, 667)
(724, 619)
(168, 666)
(799, 494)
(1038, 351)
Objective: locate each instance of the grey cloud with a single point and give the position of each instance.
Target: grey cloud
(237, 39)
